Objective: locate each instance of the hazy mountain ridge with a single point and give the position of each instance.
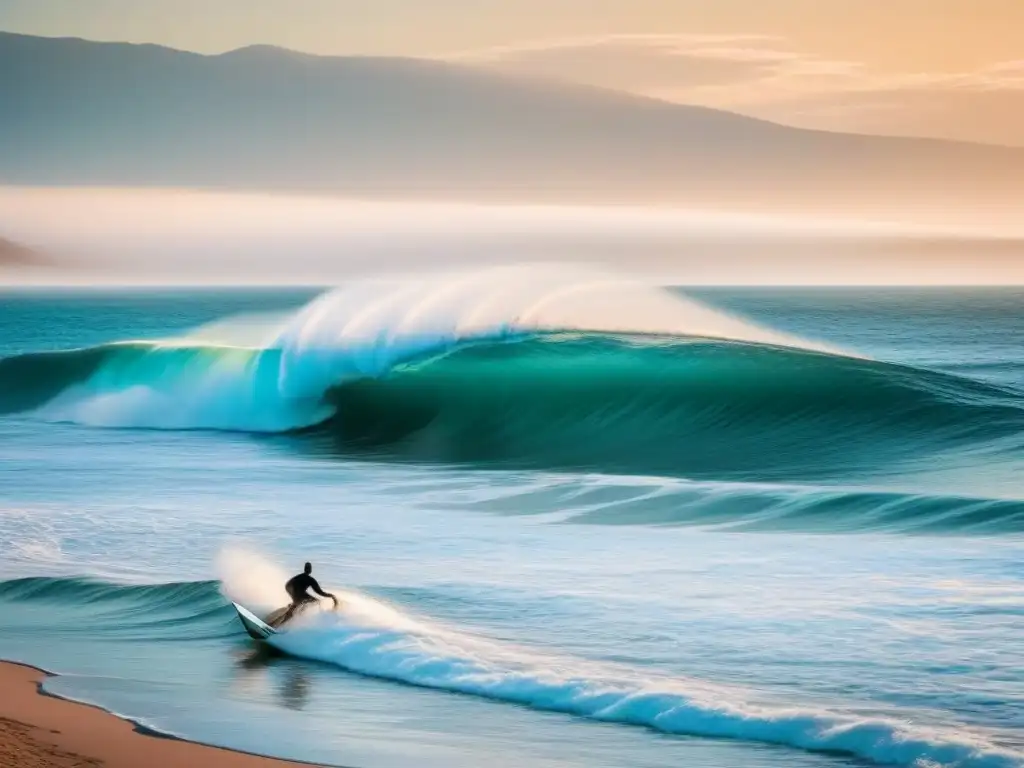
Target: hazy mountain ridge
(14, 254)
(78, 113)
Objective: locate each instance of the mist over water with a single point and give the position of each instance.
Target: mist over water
(172, 237)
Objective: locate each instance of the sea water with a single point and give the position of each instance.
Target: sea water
(573, 520)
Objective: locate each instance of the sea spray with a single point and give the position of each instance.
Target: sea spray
(367, 327)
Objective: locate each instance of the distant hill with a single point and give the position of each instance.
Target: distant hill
(14, 255)
(78, 112)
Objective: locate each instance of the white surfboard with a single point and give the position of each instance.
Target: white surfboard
(254, 625)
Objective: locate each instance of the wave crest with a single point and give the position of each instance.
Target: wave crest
(365, 329)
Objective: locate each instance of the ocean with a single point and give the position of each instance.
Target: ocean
(574, 520)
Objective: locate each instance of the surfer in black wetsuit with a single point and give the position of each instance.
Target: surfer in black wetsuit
(298, 590)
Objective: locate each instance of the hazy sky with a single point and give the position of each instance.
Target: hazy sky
(176, 236)
(952, 68)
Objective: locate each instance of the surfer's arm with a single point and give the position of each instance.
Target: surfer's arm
(315, 586)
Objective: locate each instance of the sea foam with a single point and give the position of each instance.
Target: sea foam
(372, 638)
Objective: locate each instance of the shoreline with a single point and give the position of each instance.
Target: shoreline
(39, 729)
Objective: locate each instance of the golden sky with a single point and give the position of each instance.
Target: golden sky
(949, 68)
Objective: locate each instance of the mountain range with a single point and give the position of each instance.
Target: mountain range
(76, 112)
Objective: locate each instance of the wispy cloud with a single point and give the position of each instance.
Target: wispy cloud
(768, 76)
(668, 43)
(641, 63)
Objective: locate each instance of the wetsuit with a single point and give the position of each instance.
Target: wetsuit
(298, 589)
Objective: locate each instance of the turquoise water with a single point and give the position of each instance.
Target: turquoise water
(573, 522)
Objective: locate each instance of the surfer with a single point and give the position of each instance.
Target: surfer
(298, 590)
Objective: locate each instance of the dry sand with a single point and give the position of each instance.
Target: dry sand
(42, 731)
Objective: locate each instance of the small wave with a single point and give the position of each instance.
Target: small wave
(372, 638)
(670, 708)
(764, 507)
(146, 611)
(86, 591)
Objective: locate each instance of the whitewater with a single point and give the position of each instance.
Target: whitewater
(371, 638)
(575, 519)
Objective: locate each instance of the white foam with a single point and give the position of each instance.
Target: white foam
(365, 328)
(372, 638)
(465, 666)
(250, 578)
(170, 386)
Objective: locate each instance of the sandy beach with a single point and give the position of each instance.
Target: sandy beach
(42, 731)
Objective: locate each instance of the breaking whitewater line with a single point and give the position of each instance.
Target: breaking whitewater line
(372, 638)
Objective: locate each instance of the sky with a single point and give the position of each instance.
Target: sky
(944, 68)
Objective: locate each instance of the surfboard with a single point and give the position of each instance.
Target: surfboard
(254, 625)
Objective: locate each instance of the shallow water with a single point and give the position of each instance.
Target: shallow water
(751, 528)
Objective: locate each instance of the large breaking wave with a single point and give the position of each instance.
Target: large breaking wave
(556, 369)
(368, 329)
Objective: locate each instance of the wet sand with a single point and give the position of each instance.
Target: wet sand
(38, 730)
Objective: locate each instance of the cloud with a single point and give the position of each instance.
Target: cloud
(666, 42)
(767, 76)
(756, 56)
(640, 63)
